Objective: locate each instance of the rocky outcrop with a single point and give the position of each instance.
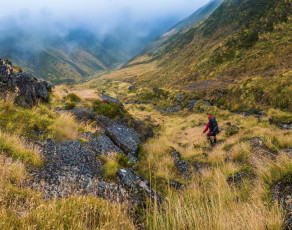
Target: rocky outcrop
(182, 166)
(84, 114)
(102, 145)
(138, 188)
(108, 98)
(125, 138)
(72, 168)
(27, 88)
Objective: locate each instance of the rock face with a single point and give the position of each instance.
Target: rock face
(102, 145)
(71, 168)
(138, 187)
(27, 88)
(125, 138)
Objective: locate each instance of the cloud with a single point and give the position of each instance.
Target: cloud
(134, 19)
(98, 15)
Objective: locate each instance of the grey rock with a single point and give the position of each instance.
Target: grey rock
(192, 105)
(207, 103)
(111, 99)
(71, 168)
(182, 166)
(84, 114)
(102, 145)
(131, 87)
(139, 188)
(177, 185)
(285, 126)
(126, 138)
(26, 87)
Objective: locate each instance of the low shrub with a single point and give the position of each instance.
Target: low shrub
(73, 97)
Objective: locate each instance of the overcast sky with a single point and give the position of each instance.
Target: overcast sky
(100, 16)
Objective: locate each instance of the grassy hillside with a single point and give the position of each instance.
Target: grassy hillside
(66, 60)
(242, 51)
(251, 147)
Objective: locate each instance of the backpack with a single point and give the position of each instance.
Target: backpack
(213, 126)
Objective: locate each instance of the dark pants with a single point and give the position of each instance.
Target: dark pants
(209, 135)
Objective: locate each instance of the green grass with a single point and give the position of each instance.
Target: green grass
(109, 109)
(12, 146)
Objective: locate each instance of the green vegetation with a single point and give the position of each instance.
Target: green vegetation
(113, 164)
(73, 97)
(39, 123)
(278, 116)
(12, 146)
(109, 109)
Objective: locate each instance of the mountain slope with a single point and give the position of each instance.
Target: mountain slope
(243, 50)
(65, 59)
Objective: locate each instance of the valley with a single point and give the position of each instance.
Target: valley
(119, 144)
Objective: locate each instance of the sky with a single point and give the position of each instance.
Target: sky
(100, 16)
(136, 19)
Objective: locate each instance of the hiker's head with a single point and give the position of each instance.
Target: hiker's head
(209, 117)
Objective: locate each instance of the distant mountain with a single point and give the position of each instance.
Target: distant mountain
(239, 57)
(65, 59)
(73, 55)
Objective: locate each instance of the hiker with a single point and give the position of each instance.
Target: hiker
(214, 129)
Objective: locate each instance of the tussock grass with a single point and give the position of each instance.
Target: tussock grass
(40, 122)
(13, 146)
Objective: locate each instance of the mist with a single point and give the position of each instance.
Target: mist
(132, 20)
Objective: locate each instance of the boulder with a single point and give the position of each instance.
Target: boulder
(145, 131)
(102, 145)
(126, 138)
(84, 114)
(27, 88)
(139, 188)
(131, 87)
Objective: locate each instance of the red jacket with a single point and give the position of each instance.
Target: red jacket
(207, 126)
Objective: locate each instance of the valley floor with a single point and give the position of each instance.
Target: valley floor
(244, 182)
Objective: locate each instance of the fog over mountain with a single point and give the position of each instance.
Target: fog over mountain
(135, 21)
(72, 39)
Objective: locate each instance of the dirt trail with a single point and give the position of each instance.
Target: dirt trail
(84, 94)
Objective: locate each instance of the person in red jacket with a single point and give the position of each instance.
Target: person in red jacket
(210, 134)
